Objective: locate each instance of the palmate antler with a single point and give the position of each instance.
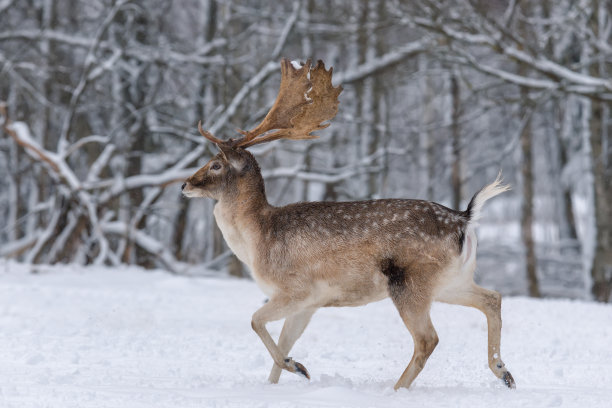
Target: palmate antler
(306, 98)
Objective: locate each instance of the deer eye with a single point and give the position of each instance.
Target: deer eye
(215, 166)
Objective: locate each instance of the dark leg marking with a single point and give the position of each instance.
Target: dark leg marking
(393, 272)
(396, 276)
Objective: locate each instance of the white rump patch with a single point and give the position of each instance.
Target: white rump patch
(468, 254)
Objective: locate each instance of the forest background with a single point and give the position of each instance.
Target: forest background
(99, 102)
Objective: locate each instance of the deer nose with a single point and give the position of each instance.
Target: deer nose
(183, 186)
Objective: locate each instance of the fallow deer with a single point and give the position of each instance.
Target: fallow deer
(309, 255)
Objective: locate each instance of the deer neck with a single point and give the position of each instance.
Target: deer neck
(238, 216)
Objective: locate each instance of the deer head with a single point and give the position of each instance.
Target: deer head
(306, 99)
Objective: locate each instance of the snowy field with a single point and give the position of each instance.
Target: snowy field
(95, 337)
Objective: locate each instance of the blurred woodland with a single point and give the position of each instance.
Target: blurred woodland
(100, 101)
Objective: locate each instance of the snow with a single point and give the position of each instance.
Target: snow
(124, 337)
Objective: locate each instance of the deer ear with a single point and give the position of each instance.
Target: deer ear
(232, 157)
(222, 151)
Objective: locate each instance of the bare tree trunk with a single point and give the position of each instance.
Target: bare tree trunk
(16, 205)
(203, 107)
(179, 228)
(456, 142)
(426, 144)
(601, 271)
(527, 207)
(566, 206)
(567, 220)
(307, 52)
(379, 108)
(527, 173)
(41, 114)
(365, 88)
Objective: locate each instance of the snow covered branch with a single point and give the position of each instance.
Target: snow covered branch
(480, 31)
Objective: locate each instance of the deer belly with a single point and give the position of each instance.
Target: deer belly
(338, 295)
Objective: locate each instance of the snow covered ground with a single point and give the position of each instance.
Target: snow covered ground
(96, 337)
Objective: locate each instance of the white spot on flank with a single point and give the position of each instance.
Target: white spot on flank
(394, 217)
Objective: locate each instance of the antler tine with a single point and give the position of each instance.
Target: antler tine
(289, 101)
(299, 120)
(209, 135)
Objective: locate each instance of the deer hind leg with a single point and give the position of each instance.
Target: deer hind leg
(489, 303)
(293, 328)
(413, 303)
(276, 309)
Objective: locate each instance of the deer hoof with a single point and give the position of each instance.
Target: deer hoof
(508, 380)
(302, 370)
(296, 368)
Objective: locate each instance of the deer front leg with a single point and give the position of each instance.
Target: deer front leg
(293, 328)
(276, 309)
(425, 340)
